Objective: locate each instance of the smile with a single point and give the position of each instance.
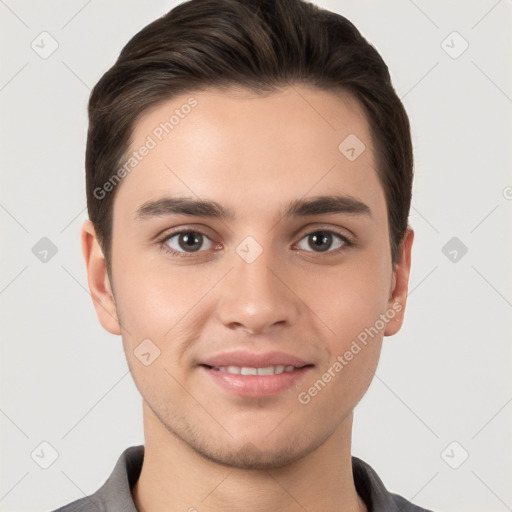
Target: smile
(246, 370)
(255, 382)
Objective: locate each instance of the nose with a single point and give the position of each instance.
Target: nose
(258, 297)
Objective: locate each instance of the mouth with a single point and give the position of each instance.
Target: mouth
(254, 379)
(248, 370)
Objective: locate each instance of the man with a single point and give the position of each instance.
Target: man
(249, 173)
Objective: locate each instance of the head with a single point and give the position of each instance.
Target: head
(254, 118)
(261, 46)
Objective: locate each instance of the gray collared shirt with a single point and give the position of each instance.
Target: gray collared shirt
(115, 494)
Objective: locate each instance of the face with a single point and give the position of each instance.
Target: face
(251, 270)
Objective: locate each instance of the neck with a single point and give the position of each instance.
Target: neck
(175, 477)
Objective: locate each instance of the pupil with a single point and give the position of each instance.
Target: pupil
(190, 241)
(320, 238)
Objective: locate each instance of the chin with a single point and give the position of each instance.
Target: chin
(249, 456)
(249, 448)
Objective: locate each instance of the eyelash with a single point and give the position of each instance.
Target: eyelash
(347, 243)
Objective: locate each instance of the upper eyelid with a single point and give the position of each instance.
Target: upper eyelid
(296, 233)
(203, 229)
(166, 236)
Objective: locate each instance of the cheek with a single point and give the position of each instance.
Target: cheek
(157, 310)
(347, 378)
(351, 308)
(153, 296)
(350, 299)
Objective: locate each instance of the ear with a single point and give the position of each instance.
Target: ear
(400, 284)
(98, 280)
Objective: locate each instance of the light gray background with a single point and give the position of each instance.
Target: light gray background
(445, 377)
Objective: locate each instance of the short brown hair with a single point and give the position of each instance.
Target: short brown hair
(262, 45)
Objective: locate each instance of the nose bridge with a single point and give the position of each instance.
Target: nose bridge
(254, 296)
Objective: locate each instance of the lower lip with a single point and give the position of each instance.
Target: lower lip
(256, 385)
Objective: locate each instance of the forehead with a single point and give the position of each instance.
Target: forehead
(239, 146)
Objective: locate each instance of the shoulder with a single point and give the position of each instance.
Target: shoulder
(87, 504)
(375, 495)
(115, 493)
(403, 505)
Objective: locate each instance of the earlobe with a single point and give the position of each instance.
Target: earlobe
(400, 285)
(98, 279)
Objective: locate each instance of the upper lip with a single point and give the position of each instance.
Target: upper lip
(254, 360)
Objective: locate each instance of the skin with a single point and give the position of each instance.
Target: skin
(205, 447)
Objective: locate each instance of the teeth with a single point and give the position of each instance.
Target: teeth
(245, 370)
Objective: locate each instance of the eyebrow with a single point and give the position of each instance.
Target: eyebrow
(333, 204)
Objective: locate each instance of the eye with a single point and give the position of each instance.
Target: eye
(184, 242)
(187, 243)
(323, 241)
